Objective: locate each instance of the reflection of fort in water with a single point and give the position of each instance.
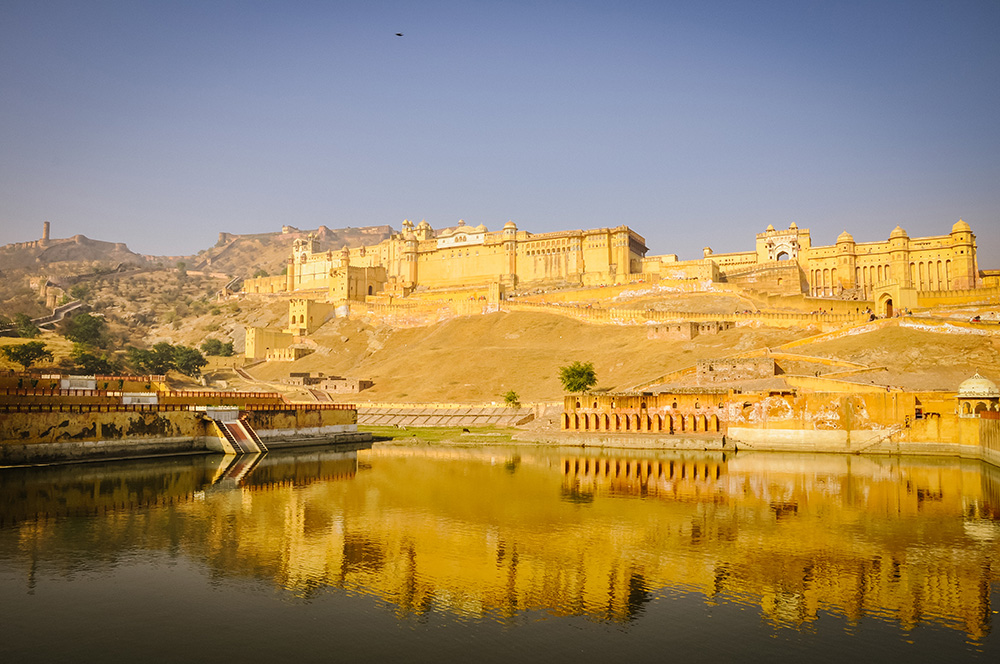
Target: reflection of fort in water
(498, 532)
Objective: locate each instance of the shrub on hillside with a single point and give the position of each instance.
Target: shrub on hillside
(578, 377)
(27, 354)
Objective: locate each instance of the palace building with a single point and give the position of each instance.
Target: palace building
(458, 257)
(903, 272)
(785, 261)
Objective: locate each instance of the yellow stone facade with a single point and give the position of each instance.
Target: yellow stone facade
(783, 261)
(259, 341)
(305, 316)
(786, 261)
(858, 417)
(458, 257)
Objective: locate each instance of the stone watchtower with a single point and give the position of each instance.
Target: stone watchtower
(964, 271)
(510, 253)
(846, 262)
(899, 256)
(408, 270)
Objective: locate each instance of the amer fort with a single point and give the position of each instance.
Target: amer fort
(764, 398)
(776, 397)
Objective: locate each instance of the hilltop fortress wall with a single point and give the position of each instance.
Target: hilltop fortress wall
(462, 256)
(783, 263)
(786, 262)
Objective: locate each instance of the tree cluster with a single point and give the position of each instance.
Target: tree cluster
(84, 329)
(89, 336)
(25, 328)
(163, 357)
(27, 353)
(216, 347)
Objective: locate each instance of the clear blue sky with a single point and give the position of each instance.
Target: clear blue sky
(696, 123)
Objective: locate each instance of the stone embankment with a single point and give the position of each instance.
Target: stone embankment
(442, 415)
(633, 441)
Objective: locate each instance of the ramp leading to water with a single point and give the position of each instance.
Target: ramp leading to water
(241, 437)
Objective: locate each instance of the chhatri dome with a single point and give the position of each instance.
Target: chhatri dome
(898, 232)
(845, 237)
(960, 227)
(977, 386)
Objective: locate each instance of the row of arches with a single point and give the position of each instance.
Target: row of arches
(868, 276)
(970, 409)
(931, 275)
(823, 281)
(640, 469)
(924, 275)
(641, 423)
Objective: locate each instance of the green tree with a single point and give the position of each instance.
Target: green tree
(188, 360)
(89, 363)
(260, 272)
(25, 328)
(158, 360)
(27, 354)
(512, 399)
(79, 291)
(211, 347)
(578, 377)
(84, 329)
(215, 347)
(182, 269)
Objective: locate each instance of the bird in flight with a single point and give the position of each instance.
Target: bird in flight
(399, 34)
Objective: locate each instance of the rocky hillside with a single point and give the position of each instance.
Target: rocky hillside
(244, 255)
(104, 270)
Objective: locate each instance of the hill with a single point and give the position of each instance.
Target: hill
(244, 255)
(479, 358)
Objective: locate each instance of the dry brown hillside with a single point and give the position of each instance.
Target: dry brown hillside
(479, 358)
(915, 359)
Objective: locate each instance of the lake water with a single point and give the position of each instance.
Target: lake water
(438, 553)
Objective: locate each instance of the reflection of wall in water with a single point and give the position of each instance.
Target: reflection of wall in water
(423, 531)
(673, 478)
(28, 494)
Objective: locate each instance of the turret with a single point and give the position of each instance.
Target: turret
(510, 250)
(964, 272)
(899, 257)
(846, 261)
(424, 231)
(290, 275)
(410, 261)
